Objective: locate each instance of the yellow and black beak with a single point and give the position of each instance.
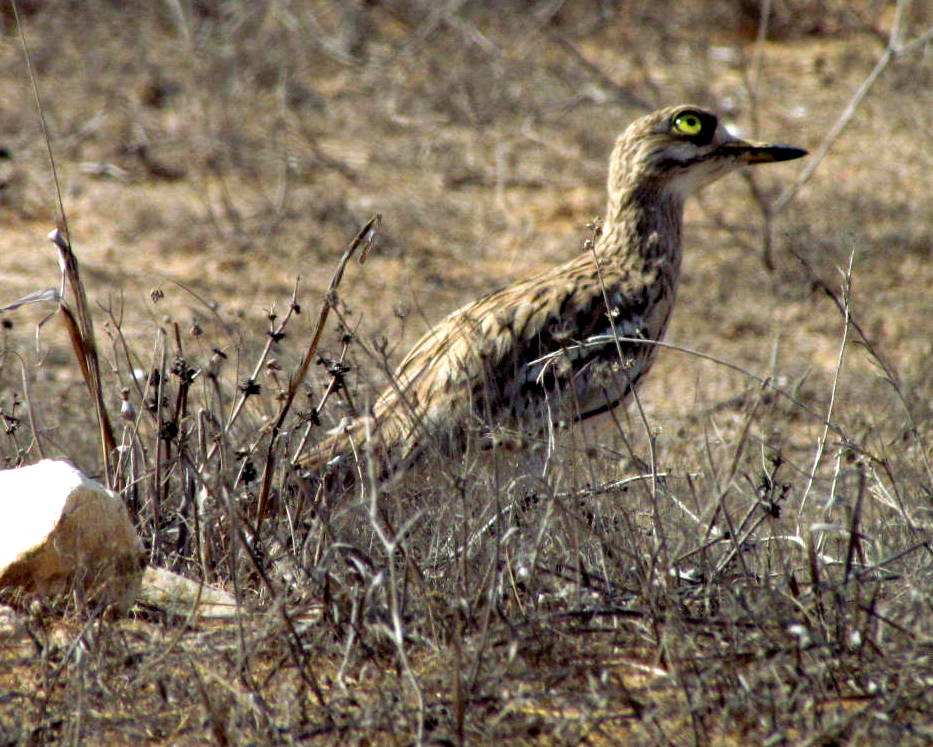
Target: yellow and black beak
(751, 153)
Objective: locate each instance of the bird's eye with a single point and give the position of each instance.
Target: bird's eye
(688, 123)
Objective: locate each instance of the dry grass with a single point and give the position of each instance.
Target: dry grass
(770, 582)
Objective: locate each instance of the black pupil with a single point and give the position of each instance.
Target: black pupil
(691, 122)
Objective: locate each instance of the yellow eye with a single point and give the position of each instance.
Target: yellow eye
(688, 124)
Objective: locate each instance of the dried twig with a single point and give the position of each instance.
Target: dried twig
(364, 238)
(81, 331)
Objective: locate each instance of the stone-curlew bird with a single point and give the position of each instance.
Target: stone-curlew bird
(545, 351)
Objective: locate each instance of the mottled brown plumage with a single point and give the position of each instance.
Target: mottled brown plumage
(545, 351)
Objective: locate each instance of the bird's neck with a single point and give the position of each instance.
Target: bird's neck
(642, 229)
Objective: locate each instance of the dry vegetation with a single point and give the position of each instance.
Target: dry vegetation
(749, 562)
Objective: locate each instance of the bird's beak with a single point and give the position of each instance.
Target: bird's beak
(749, 152)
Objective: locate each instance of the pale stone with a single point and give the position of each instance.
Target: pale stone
(60, 530)
(194, 602)
(182, 597)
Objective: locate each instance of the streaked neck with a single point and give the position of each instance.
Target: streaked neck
(643, 226)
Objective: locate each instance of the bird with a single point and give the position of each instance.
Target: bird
(564, 345)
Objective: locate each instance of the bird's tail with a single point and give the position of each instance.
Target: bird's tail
(347, 452)
(389, 441)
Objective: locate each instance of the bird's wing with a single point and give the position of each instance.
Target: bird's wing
(501, 357)
(498, 356)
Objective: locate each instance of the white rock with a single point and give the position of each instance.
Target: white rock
(60, 531)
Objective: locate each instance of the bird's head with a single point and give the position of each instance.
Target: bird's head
(678, 149)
